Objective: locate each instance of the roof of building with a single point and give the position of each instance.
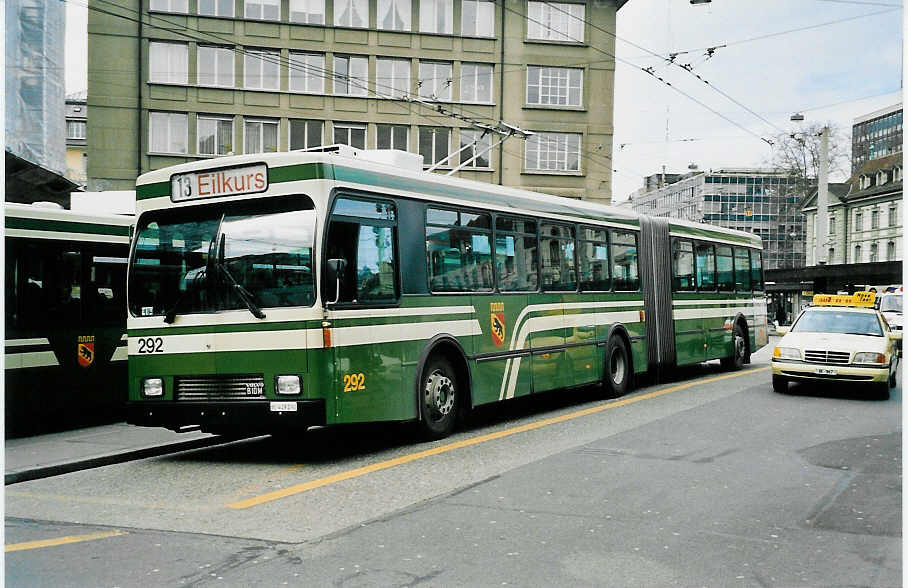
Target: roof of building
(77, 96)
(851, 189)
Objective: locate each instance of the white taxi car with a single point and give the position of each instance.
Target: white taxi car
(839, 338)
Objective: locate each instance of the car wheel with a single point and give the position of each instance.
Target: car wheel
(780, 384)
(617, 368)
(439, 398)
(738, 352)
(893, 376)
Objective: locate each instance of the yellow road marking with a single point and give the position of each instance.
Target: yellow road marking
(61, 541)
(383, 465)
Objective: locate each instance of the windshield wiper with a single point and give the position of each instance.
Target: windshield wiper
(194, 279)
(241, 292)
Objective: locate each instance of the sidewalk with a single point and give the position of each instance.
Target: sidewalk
(42, 456)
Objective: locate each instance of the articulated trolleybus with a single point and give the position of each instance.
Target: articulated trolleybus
(273, 292)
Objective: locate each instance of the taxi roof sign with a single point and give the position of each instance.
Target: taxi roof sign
(865, 299)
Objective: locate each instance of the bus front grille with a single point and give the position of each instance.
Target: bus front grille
(220, 387)
(829, 357)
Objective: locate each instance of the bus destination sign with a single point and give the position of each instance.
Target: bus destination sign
(219, 182)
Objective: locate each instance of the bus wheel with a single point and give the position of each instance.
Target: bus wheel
(439, 398)
(617, 367)
(739, 350)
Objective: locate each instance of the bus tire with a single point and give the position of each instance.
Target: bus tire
(440, 396)
(738, 350)
(617, 375)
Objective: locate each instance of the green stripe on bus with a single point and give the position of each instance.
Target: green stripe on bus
(305, 171)
(147, 191)
(57, 226)
(237, 328)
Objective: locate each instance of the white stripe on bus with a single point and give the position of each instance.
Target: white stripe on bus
(64, 236)
(13, 361)
(387, 312)
(727, 301)
(22, 342)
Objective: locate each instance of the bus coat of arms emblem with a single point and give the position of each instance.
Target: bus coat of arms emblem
(85, 350)
(498, 322)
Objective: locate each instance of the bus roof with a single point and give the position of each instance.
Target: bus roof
(25, 220)
(313, 165)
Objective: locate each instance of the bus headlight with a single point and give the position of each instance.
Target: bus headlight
(153, 387)
(288, 385)
(869, 357)
(786, 353)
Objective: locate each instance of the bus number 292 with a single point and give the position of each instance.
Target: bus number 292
(151, 345)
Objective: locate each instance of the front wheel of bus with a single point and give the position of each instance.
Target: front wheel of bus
(439, 398)
(617, 367)
(739, 350)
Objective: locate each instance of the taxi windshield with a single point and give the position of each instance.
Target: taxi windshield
(891, 304)
(838, 321)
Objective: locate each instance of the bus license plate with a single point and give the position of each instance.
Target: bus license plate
(283, 407)
(825, 371)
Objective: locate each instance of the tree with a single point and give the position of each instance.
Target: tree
(798, 153)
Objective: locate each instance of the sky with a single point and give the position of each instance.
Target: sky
(828, 72)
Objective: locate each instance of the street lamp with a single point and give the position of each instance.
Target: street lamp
(822, 226)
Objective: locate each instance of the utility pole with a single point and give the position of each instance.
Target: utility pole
(823, 198)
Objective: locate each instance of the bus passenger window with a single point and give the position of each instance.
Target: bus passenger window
(706, 267)
(756, 270)
(362, 232)
(516, 259)
(725, 273)
(594, 274)
(557, 246)
(459, 251)
(742, 270)
(624, 261)
(682, 266)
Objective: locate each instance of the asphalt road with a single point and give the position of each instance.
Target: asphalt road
(710, 480)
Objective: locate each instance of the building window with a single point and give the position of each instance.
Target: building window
(475, 144)
(263, 9)
(831, 225)
(434, 144)
(307, 72)
(874, 219)
(476, 82)
(305, 134)
(216, 66)
(215, 135)
(897, 173)
(262, 70)
(181, 6)
(553, 152)
(351, 76)
(858, 221)
(435, 80)
(554, 86)
(394, 15)
(350, 134)
(168, 132)
(830, 256)
(261, 136)
(874, 253)
(477, 18)
(393, 137)
(392, 77)
(168, 63)
(881, 178)
(307, 11)
(893, 216)
(857, 254)
(436, 16)
(890, 251)
(221, 8)
(351, 13)
(555, 21)
(75, 129)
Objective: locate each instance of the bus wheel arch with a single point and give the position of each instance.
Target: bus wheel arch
(740, 349)
(617, 349)
(442, 367)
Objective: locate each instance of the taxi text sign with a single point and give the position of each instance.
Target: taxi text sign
(232, 181)
(856, 299)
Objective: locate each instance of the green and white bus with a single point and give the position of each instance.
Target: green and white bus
(65, 318)
(273, 292)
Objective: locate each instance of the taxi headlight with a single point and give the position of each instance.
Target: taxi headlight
(786, 353)
(153, 387)
(869, 357)
(288, 385)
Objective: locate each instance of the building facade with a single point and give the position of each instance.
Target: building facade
(76, 151)
(237, 76)
(759, 201)
(865, 216)
(876, 135)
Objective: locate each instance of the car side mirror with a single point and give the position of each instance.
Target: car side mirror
(782, 330)
(895, 335)
(336, 270)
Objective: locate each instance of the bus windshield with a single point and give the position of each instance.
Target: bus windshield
(246, 254)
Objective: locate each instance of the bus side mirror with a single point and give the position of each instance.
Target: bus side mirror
(336, 270)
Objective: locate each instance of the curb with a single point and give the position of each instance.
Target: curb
(110, 459)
